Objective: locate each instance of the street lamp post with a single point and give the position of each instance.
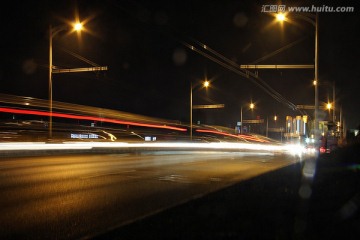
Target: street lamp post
(329, 106)
(267, 124)
(315, 23)
(50, 81)
(78, 26)
(333, 104)
(316, 80)
(206, 84)
(191, 110)
(241, 119)
(251, 106)
(52, 33)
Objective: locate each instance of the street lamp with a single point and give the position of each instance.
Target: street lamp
(206, 84)
(53, 31)
(267, 124)
(329, 107)
(251, 106)
(333, 106)
(314, 22)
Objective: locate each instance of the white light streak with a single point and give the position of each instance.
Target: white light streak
(23, 146)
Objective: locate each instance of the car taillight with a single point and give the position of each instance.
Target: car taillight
(322, 149)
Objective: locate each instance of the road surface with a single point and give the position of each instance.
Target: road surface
(81, 196)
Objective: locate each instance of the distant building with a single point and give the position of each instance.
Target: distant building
(296, 127)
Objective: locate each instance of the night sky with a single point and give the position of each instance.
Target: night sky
(145, 45)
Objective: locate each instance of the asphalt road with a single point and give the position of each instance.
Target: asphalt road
(82, 196)
(313, 199)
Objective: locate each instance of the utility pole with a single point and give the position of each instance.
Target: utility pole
(267, 126)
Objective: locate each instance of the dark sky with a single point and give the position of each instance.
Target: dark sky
(145, 45)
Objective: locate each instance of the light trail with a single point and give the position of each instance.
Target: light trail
(241, 136)
(82, 110)
(225, 146)
(91, 118)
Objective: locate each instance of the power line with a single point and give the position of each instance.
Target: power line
(218, 58)
(248, 75)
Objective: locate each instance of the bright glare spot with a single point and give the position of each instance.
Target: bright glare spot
(328, 106)
(252, 105)
(356, 132)
(78, 26)
(280, 17)
(315, 82)
(295, 149)
(206, 83)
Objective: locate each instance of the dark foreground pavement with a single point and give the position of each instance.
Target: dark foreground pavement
(285, 204)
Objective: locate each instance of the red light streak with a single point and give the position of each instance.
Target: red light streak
(80, 117)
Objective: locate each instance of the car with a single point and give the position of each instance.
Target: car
(329, 142)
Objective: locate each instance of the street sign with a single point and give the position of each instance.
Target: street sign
(208, 106)
(87, 69)
(277, 66)
(254, 121)
(311, 107)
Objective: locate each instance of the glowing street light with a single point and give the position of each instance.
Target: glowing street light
(205, 84)
(333, 104)
(78, 26)
(280, 17)
(328, 106)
